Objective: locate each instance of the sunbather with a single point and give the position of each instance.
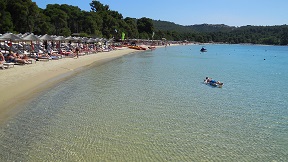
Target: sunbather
(2, 58)
(20, 59)
(43, 56)
(10, 57)
(26, 59)
(55, 55)
(15, 58)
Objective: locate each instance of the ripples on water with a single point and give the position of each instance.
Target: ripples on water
(152, 106)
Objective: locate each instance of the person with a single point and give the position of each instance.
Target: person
(25, 58)
(2, 58)
(14, 57)
(219, 83)
(43, 56)
(77, 51)
(212, 81)
(22, 59)
(207, 80)
(10, 57)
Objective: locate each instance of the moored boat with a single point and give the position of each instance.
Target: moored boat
(137, 47)
(152, 47)
(203, 49)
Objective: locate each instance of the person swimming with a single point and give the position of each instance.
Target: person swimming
(208, 80)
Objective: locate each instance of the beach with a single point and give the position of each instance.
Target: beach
(22, 82)
(153, 106)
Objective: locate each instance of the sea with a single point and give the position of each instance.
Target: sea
(154, 106)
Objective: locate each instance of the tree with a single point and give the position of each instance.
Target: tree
(58, 19)
(145, 25)
(96, 6)
(23, 14)
(6, 23)
(74, 14)
(109, 25)
(32, 14)
(89, 23)
(159, 35)
(131, 30)
(284, 37)
(42, 24)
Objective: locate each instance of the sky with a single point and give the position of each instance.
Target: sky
(190, 12)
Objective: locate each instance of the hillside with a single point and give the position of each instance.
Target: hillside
(170, 26)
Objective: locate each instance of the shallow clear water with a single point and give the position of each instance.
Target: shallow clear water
(153, 106)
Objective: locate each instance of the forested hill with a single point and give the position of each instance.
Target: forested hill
(211, 28)
(170, 26)
(276, 35)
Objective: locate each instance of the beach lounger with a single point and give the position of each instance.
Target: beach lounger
(8, 65)
(31, 61)
(2, 66)
(44, 58)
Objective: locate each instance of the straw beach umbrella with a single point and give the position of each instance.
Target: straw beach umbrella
(46, 38)
(70, 38)
(31, 37)
(59, 39)
(10, 37)
(91, 40)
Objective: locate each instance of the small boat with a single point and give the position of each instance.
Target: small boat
(137, 47)
(203, 49)
(134, 47)
(213, 82)
(152, 47)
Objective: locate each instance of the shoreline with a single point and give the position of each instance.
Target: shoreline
(24, 82)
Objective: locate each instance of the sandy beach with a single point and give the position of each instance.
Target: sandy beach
(22, 82)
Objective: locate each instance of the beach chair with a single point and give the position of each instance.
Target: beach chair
(31, 61)
(2, 66)
(8, 64)
(44, 59)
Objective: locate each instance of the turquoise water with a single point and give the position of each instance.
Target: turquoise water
(153, 106)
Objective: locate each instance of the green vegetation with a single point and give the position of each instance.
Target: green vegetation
(271, 35)
(21, 16)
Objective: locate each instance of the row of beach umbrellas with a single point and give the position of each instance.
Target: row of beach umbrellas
(31, 37)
